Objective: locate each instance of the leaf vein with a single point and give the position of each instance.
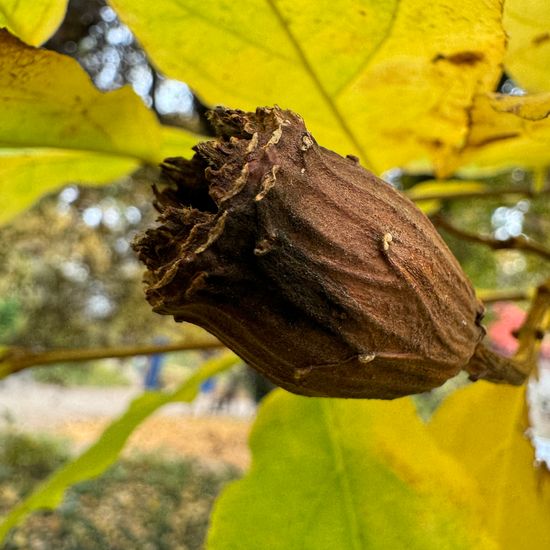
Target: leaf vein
(317, 82)
(231, 31)
(349, 505)
(365, 63)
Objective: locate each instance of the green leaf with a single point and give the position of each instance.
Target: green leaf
(389, 80)
(106, 449)
(57, 127)
(34, 21)
(331, 473)
(484, 427)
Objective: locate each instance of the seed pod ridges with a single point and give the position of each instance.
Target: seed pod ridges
(316, 272)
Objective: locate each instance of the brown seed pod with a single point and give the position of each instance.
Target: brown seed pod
(317, 273)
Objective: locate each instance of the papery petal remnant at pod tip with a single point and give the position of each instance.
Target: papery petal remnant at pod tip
(316, 272)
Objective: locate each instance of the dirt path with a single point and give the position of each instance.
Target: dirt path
(81, 413)
(213, 439)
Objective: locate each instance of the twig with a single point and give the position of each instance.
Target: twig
(534, 327)
(517, 243)
(484, 193)
(17, 359)
(515, 370)
(490, 296)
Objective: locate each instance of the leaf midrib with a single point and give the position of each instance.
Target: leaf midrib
(317, 82)
(340, 467)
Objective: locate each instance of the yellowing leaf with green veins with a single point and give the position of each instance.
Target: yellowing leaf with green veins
(353, 474)
(57, 127)
(527, 23)
(103, 453)
(508, 131)
(484, 427)
(33, 21)
(388, 80)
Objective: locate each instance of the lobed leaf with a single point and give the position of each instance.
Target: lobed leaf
(390, 81)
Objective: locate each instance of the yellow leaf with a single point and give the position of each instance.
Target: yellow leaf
(429, 207)
(25, 175)
(349, 474)
(442, 189)
(49, 101)
(57, 127)
(34, 21)
(483, 426)
(539, 180)
(177, 142)
(508, 131)
(389, 80)
(429, 194)
(527, 23)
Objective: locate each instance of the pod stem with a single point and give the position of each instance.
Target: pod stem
(488, 365)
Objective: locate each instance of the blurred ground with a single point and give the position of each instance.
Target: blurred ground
(160, 492)
(212, 439)
(144, 501)
(81, 413)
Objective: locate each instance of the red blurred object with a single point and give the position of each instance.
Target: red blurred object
(509, 319)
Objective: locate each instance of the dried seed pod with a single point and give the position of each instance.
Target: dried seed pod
(317, 273)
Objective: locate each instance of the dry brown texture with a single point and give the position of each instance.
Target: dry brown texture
(317, 273)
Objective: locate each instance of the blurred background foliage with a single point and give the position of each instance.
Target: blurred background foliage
(108, 512)
(86, 289)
